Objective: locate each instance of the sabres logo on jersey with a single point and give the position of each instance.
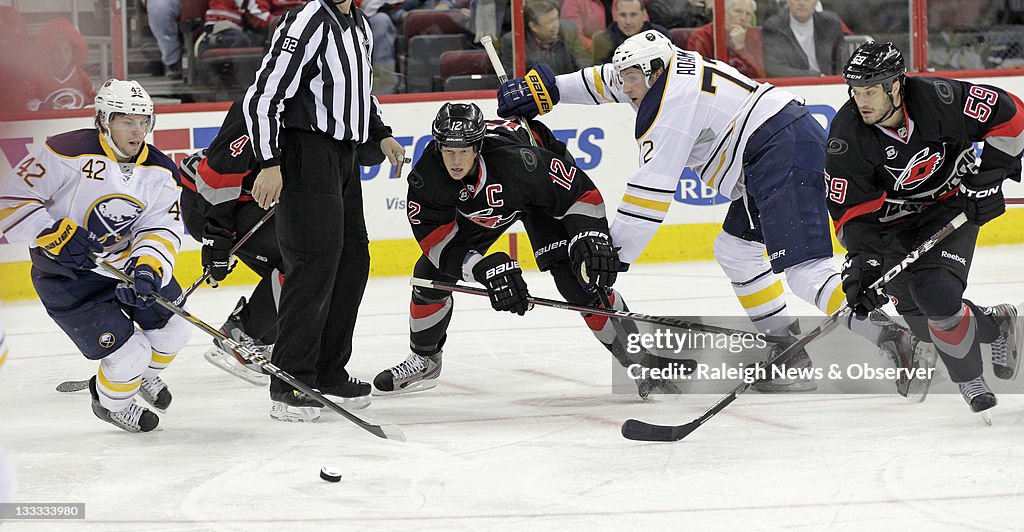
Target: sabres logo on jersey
(487, 218)
(111, 217)
(921, 166)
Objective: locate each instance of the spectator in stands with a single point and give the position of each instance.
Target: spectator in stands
(680, 13)
(745, 49)
(630, 19)
(384, 17)
(241, 23)
(15, 61)
(588, 17)
(163, 22)
(803, 42)
(545, 42)
(59, 81)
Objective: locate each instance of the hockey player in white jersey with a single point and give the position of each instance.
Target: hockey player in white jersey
(752, 142)
(105, 193)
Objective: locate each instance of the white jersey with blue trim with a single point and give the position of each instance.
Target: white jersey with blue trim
(132, 208)
(698, 114)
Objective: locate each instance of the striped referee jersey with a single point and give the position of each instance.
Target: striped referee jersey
(316, 77)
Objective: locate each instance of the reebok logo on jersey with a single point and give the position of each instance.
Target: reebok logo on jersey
(917, 171)
(954, 257)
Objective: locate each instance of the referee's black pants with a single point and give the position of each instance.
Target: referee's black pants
(322, 234)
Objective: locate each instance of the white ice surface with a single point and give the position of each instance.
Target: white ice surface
(522, 432)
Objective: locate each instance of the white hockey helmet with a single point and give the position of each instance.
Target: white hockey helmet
(128, 97)
(649, 50)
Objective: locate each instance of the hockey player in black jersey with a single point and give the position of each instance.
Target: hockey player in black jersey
(901, 164)
(473, 181)
(218, 208)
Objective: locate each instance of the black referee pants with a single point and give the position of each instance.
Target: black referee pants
(322, 234)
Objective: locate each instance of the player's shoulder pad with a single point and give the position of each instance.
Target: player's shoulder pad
(512, 156)
(934, 92)
(650, 106)
(155, 157)
(76, 143)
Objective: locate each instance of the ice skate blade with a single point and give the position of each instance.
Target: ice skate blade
(418, 386)
(986, 416)
(227, 363)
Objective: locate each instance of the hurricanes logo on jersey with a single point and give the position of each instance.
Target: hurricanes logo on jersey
(917, 171)
(486, 218)
(111, 217)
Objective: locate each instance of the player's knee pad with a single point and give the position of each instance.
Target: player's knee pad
(167, 341)
(937, 292)
(818, 282)
(120, 372)
(955, 334)
(740, 259)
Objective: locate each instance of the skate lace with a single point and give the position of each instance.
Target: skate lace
(999, 351)
(973, 388)
(153, 386)
(411, 366)
(129, 416)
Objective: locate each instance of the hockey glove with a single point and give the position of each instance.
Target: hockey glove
(594, 260)
(146, 274)
(536, 94)
(217, 251)
(69, 245)
(981, 196)
(504, 281)
(860, 271)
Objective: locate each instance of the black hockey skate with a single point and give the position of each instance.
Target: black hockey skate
(294, 406)
(1006, 349)
(232, 361)
(787, 375)
(352, 393)
(899, 345)
(979, 396)
(134, 418)
(156, 393)
(415, 374)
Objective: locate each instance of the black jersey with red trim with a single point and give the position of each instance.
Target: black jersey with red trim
(876, 176)
(511, 179)
(223, 174)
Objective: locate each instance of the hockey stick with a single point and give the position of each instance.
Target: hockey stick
(609, 312)
(234, 249)
(635, 429)
(390, 432)
(499, 69)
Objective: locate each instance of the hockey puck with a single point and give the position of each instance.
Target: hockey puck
(330, 474)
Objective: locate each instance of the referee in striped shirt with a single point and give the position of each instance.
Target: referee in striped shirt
(307, 110)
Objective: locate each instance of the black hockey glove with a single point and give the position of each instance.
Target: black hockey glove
(69, 244)
(860, 271)
(594, 260)
(146, 277)
(504, 281)
(981, 196)
(217, 251)
(530, 96)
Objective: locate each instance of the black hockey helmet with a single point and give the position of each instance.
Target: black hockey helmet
(459, 125)
(875, 63)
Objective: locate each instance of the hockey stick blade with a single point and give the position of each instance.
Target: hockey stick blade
(72, 386)
(638, 430)
(609, 312)
(391, 433)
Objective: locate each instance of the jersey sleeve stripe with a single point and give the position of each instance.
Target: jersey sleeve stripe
(435, 242)
(171, 248)
(653, 205)
(587, 86)
(17, 222)
(859, 210)
(4, 213)
(640, 217)
(158, 253)
(649, 189)
(1008, 137)
(164, 230)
